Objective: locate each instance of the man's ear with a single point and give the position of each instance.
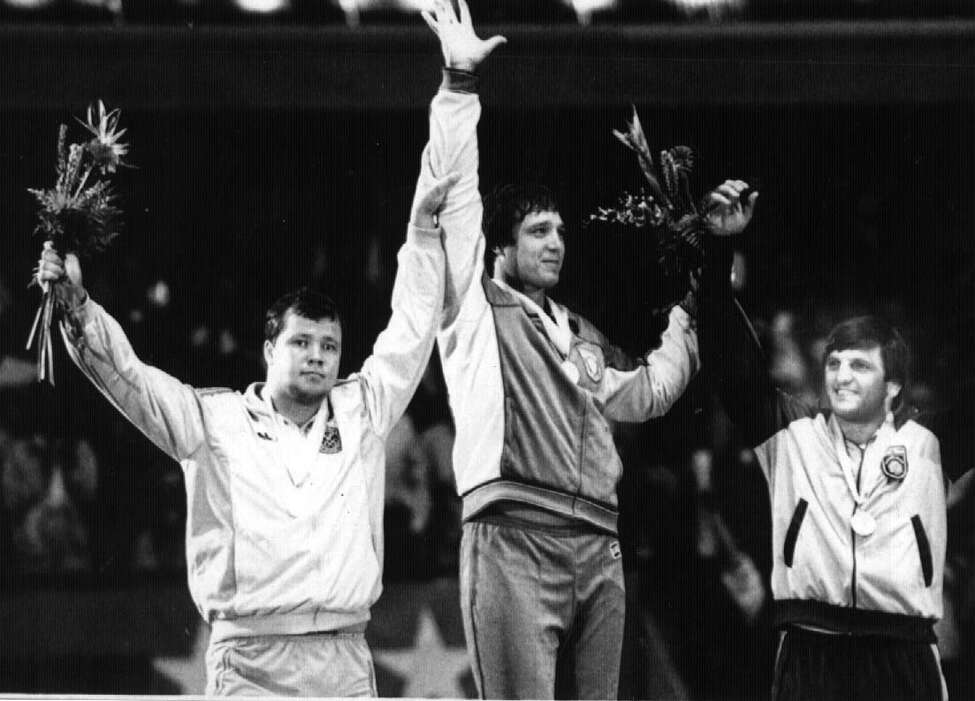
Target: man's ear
(268, 353)
(893, 389)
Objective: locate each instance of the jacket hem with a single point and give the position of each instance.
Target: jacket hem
(574, 507)
(850, 621)
(288, 624)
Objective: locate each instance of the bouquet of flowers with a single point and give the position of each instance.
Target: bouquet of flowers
(79, 214)
(665, 206)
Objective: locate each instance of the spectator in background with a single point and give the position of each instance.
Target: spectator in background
(422, 507)
(48, 489)
(14, 371)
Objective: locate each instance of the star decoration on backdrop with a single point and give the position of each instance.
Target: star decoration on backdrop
(431, 668)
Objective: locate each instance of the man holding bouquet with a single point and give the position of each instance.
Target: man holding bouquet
(284, 482)
(533, 387)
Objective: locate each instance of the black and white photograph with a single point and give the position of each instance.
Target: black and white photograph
(487, 349)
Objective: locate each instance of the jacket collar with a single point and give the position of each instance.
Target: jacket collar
(258, 403)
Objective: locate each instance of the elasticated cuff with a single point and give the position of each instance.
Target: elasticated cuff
(422, 236)
(459, 81)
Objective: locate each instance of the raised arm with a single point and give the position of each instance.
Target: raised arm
(734, 364)
(650, 389)
(401, 352)
(452, 147)
(167, 411)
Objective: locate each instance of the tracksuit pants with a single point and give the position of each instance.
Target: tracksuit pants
(827, 667)
(331, 664)
(543, 610)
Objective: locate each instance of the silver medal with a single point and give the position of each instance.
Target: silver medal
(863, 523)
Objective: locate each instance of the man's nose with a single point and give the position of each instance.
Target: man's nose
(315, 353)
(843, 373)
(554, 242)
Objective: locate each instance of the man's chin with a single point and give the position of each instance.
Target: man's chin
(548, 282)
(854, 414)
(311, 392)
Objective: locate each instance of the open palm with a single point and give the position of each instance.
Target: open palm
(462, 48)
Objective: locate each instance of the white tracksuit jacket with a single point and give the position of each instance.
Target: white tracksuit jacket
(265, 556)
(827, 573)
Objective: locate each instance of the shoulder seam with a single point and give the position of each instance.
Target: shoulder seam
(210, 391)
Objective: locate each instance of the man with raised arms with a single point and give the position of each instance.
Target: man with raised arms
(533, 388)
(284, 483)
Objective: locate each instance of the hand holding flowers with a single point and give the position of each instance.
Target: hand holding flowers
(77, 216)
(667, 207)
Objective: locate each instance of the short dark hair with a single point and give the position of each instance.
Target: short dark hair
(862, 332)
(507, 206)
(304, 302)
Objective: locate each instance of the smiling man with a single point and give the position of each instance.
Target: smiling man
(533, 387)
(858, 493)
(284, 483)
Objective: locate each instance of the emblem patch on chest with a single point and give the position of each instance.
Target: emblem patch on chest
(592, 360)
(894, 463)
(331, 440)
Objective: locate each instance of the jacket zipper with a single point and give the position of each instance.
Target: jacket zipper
(853, 535)
(582, 448)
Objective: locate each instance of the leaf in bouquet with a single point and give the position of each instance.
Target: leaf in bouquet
(689, 228)
(683, 158)
(46, 198)
(669, 170)
(636, 140)
(687, 199)
(62, 148)
(68, 175)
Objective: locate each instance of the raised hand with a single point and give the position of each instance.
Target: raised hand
(726, 213)
(63, 273)
(462, 49)
(427, 206)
